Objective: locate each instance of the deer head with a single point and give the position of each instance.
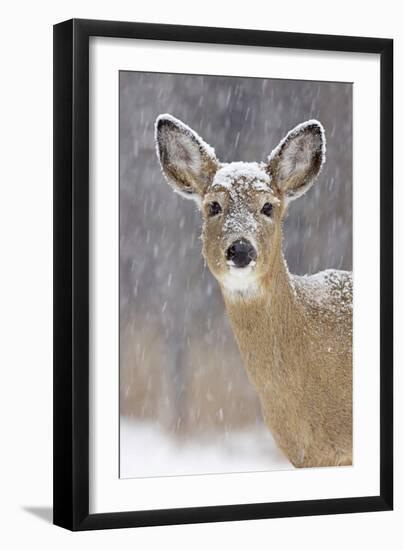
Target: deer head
(243, 204)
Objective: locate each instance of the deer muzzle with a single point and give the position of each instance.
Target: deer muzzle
(241, 253)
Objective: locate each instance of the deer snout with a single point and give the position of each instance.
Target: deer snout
(241, 253)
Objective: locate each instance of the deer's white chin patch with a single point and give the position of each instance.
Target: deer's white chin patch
(240, 280)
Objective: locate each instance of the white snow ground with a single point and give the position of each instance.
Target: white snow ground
(148, 451)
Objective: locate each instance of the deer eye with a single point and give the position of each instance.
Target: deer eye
(213, 208)
(267, 209)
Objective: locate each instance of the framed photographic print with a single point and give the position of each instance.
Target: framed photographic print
(223, 320)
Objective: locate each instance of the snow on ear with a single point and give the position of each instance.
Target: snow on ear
(188, 163)
(297, 160)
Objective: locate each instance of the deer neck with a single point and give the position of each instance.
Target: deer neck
(264, 322)
(269, 326)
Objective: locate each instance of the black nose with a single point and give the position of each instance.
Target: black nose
(241, 253)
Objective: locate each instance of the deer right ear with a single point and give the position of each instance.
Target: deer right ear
(297, 160)
(188, 163)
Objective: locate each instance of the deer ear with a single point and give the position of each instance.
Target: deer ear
(297, 160)
(188, 163)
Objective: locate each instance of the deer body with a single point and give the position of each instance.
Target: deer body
(300, 371)
(294, 333)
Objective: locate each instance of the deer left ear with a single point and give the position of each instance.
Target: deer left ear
(188, 163)
(295, 163)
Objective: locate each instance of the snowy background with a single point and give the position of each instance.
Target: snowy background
(187, 406)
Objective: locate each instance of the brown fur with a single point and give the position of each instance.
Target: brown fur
(292, 353)
(294, 333)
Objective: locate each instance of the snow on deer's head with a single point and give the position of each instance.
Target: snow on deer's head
(243, 203)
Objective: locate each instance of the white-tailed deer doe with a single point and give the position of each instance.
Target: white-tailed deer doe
(294, 333)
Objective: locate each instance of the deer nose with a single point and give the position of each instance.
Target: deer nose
(241, 253)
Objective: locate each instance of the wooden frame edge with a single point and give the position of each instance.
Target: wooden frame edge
(71, 284)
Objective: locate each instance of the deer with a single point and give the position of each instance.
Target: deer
(294, 333)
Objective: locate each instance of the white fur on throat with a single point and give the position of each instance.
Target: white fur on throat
(240, 282)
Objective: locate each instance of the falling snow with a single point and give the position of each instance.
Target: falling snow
(186, 403)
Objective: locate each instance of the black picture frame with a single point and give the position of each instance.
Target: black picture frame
(71, 274)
